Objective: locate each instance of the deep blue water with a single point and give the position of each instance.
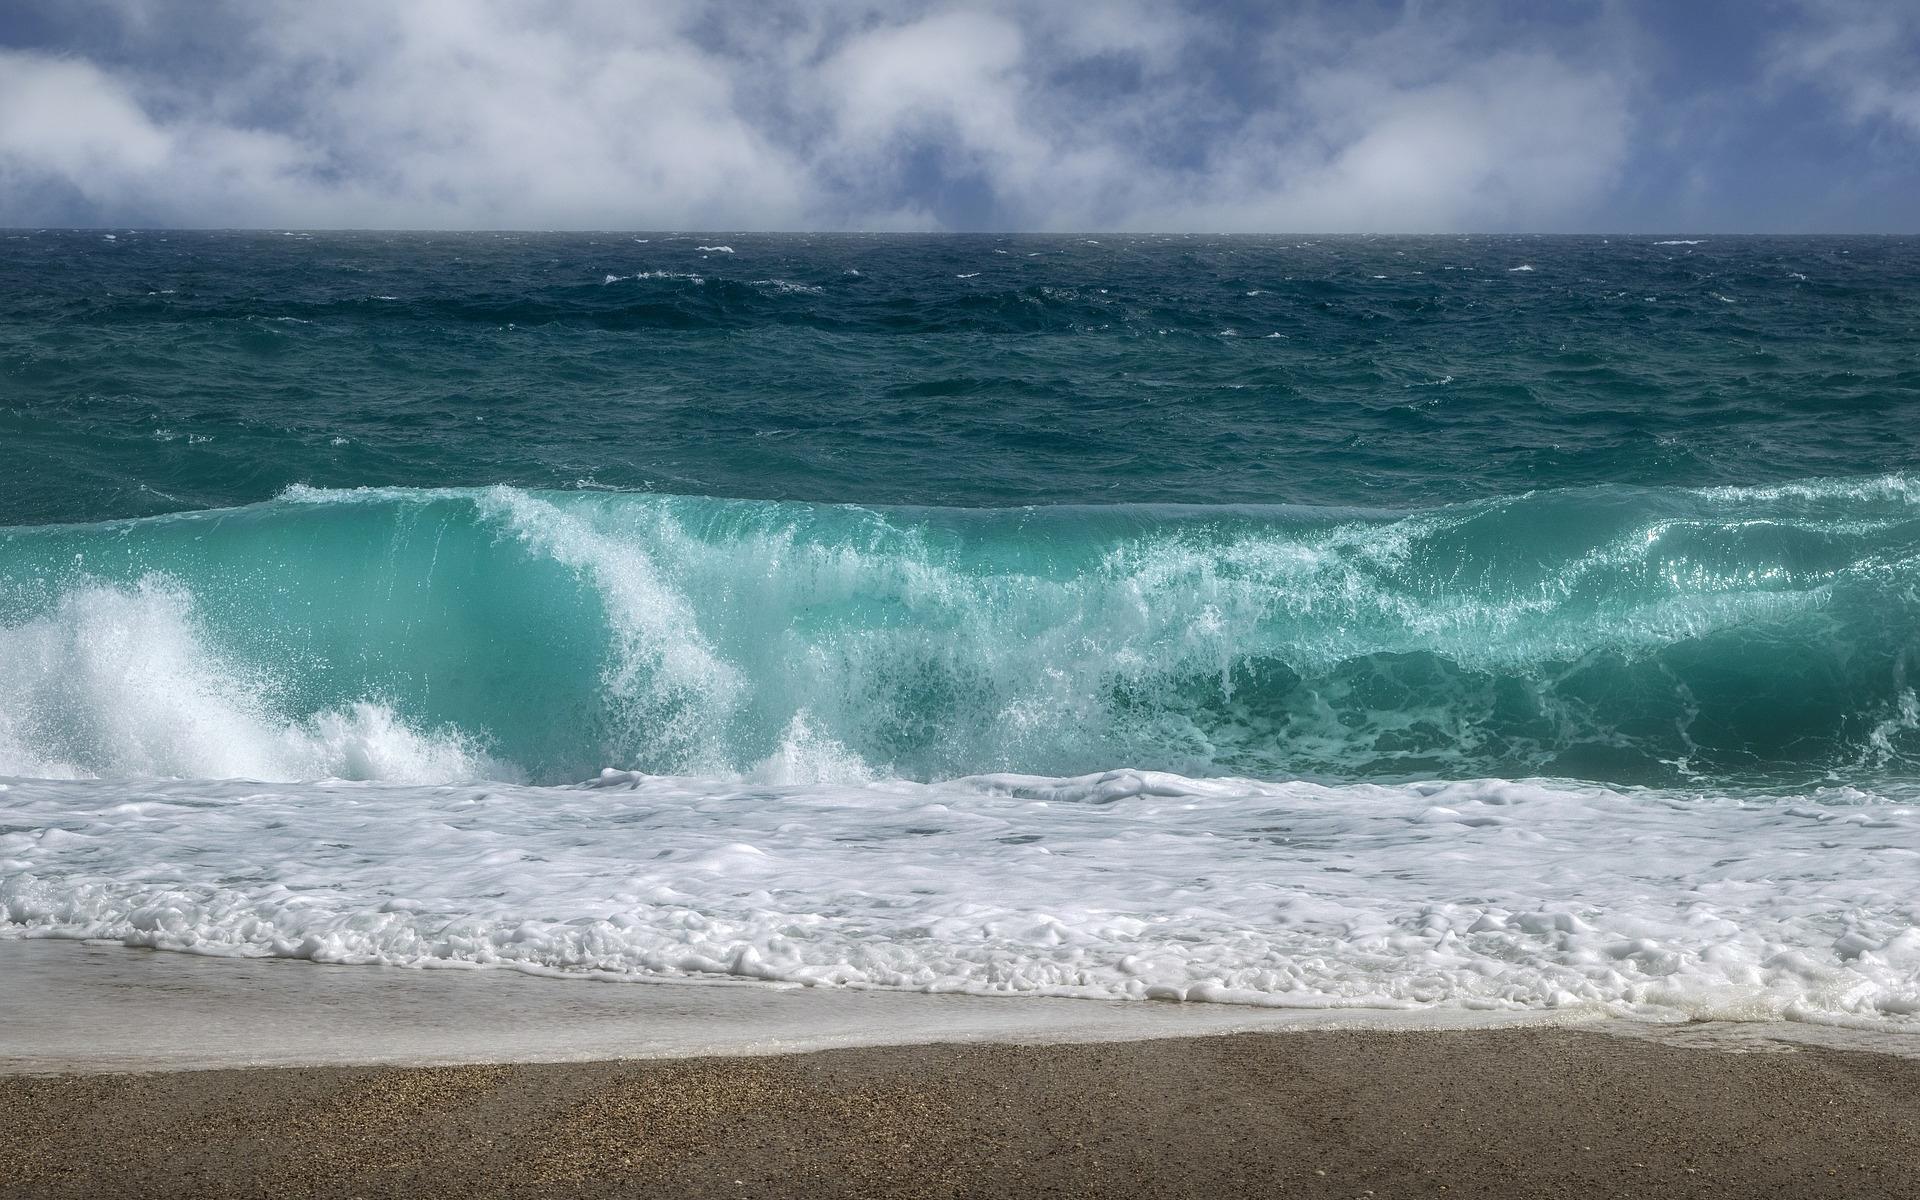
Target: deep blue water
(1629, 509)
(161, 372)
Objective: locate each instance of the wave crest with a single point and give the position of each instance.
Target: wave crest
(121, 681)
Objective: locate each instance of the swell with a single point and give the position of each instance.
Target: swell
(1617, 634)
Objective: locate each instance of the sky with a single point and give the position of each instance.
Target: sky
(1038, 115)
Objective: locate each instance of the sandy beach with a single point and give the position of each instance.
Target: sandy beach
(1541, 1112)
(113, 1083)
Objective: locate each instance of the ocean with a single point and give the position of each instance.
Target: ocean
(1421, 624)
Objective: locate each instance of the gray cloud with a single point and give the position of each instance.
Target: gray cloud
(836, 114)
(1867, 55)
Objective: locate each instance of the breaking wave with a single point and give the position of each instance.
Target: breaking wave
(1625, 635)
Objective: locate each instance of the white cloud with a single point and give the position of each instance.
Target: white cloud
(431, 113)
(1514, 141)
(68, 118)
(67, 122)
(490, 113)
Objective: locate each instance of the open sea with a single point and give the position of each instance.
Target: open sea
(1385, 623)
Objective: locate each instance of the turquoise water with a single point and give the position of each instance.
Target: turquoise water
(1519, 624)
(1626, 510)
(1613, 633)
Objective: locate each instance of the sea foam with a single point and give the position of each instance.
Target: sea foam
(1477, 895)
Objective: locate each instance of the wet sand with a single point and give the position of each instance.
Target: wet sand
(80, 1008)
(1513, 1112)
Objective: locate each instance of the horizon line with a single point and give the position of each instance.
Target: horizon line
(956, 233)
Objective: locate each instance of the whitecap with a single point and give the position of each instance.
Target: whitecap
(787, 287)
(685, 275)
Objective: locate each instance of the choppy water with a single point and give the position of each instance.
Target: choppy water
(1411, 622)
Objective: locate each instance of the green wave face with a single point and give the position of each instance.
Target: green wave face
(1625, 635)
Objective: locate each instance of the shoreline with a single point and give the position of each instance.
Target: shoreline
(96, 1008)
(99, 1008)
(560, 1088)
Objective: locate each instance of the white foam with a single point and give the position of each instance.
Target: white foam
(787, 287)
(121, 681)
(1896, 487)
(716, 249)
(674, 687)
(1477, 896)
(690, 278)
(806, 755)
